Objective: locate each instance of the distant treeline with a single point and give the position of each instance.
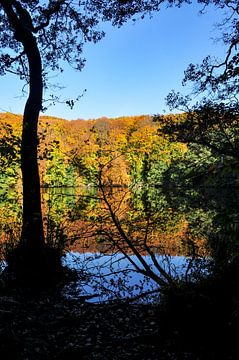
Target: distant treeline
(123, 150)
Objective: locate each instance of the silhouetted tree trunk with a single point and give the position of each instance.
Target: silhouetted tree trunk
(32, 236)
(32, 230)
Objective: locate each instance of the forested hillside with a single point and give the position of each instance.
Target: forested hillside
(128, 149)
(122, 152)
(138, 152)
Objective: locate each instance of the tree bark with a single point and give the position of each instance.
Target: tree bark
(32, 236)
(32, 229)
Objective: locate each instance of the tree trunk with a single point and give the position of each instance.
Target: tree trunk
(32, 261)
(32, 229)
(32, 236)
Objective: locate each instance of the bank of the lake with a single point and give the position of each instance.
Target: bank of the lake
(196, 323)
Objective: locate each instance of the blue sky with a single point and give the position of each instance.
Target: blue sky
(133, 68)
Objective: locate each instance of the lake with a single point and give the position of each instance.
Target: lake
(109, 277)
(105, 232)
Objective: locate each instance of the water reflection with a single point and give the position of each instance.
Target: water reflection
(177, 222)
(105, 277)
(145, 215)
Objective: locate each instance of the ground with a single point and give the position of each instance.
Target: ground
(52, 327)
(47, 325)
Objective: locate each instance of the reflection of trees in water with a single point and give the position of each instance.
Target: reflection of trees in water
(212, 212)
(144, 215)
(224, 242)
(178, 222)
(10, 215)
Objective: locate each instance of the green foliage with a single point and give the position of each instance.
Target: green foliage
(134, 150)
(87, 168)
(9, 146)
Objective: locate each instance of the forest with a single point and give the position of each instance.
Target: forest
(125, 154)
(129, 186)
(71, 152)
(119, 236)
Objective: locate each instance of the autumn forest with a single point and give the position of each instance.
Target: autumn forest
(143, 169)
(123, 152)
(119, 237)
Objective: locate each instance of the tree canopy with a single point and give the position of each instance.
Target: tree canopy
(211, 120)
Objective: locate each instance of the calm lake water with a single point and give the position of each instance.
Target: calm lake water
(174, 224)
(106, 277)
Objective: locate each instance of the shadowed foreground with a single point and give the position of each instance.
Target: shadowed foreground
(197, 321)
(49, 327)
